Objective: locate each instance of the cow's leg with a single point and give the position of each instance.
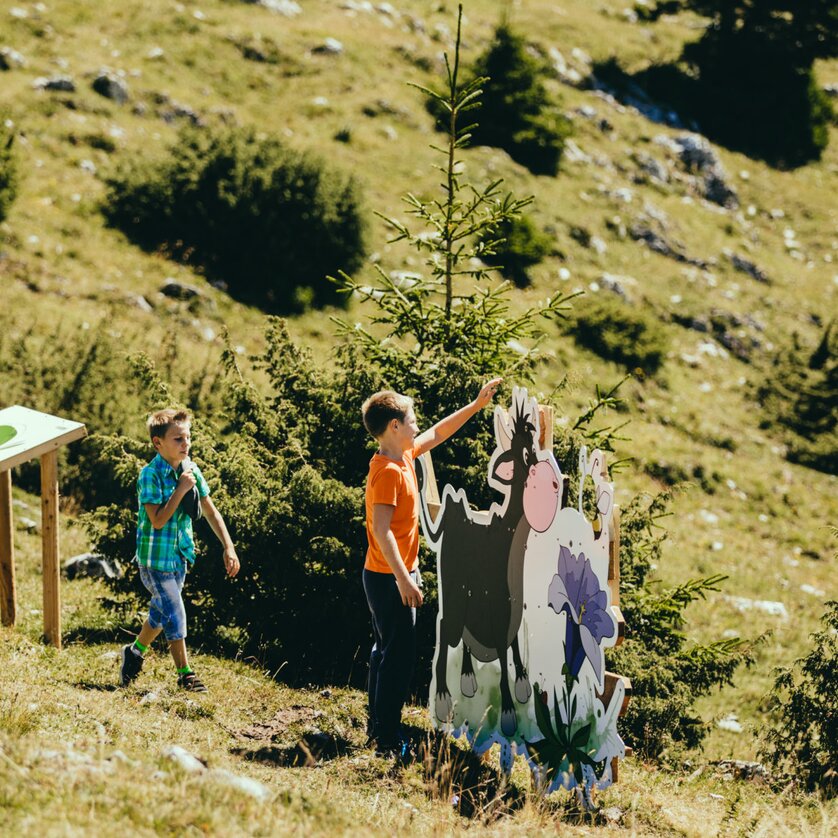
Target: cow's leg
(523, 691)
(443, 705)
(468, 680)
(508, 720)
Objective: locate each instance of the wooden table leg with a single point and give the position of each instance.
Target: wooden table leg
(8, 594)
(49, 531)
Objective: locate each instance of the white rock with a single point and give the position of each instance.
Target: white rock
(181, 757)
(811, 589)
(244, 784)
(731, 723)
(286, 8)
(775, 609)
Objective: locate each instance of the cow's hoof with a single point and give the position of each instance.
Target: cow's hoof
(444, 707)
(523, 690)
(468, 684)
(508, 722)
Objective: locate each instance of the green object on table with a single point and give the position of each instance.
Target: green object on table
(7, 432)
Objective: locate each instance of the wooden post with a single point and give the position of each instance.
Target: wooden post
(49, 534)
(545, 439)
(8, 594)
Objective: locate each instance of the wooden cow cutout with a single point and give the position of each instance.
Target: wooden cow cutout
(526, 611)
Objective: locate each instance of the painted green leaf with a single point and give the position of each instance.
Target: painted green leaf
(7, 432)
(581, 736)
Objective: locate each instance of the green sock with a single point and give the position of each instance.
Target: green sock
(184, 670)
(143, 649)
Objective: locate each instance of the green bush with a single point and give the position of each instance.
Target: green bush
(516, 245)
(84, 374)
(800, 399)
(621, 333)
(668, 673)
(749, 80)
(9, 175)
(803, 737)
(751, 96)
(517, 113)
(270, 222)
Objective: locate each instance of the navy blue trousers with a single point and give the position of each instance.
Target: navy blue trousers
(392, 656)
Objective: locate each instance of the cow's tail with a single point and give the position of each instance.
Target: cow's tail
(432, 530)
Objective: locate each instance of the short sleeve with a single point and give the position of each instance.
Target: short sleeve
(200, 482)
(384, 487)
(149, 487)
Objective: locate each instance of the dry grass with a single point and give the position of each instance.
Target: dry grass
(80, 756)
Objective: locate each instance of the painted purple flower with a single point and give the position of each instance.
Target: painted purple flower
(575, 590)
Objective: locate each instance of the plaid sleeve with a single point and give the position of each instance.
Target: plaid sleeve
(149, 487)
(201, 483)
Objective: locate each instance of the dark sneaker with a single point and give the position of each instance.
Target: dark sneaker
(191, 683)
(132, 664)
(402, 751)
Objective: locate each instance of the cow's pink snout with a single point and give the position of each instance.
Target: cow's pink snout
(541, 496)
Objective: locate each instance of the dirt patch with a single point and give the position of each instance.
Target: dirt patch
(278, 726)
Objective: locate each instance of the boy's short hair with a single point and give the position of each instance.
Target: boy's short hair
(381, 408)
(160, 421)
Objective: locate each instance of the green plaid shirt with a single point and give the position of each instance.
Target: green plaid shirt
(165, 549)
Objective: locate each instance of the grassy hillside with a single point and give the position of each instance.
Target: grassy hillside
(750, 513)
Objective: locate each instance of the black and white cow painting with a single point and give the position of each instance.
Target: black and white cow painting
(480, 565)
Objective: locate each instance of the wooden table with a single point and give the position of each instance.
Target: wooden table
(26, 435)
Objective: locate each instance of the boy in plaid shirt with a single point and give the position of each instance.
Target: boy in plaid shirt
(166, 489)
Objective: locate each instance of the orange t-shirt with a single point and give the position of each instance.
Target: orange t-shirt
(394, 483)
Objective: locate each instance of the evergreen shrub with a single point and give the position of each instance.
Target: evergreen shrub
(269, 221)
(800, 399)
(519, 244)
(750, 96)
(621, 333)
(9, 171)
(668, 673)
(803, 738)
(517, 113)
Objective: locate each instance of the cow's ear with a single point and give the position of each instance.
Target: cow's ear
(504, 468)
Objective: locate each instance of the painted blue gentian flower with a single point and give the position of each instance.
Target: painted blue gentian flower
(575, 590)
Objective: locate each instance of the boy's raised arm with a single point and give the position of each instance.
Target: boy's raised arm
(451, 424)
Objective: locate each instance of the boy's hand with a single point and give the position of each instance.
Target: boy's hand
(487, 393)
(185, 482)
(410, 592)
(231, 561)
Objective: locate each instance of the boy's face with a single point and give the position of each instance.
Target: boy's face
(174, 446)
(405, 431)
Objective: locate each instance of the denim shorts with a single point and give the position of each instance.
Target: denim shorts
(166, 610)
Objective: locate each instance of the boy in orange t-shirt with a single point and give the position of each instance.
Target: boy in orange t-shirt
(391, 575)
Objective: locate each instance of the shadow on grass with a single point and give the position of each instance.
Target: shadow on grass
(312, 748)
(105, 687)
(461, 778)
(98, 635)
